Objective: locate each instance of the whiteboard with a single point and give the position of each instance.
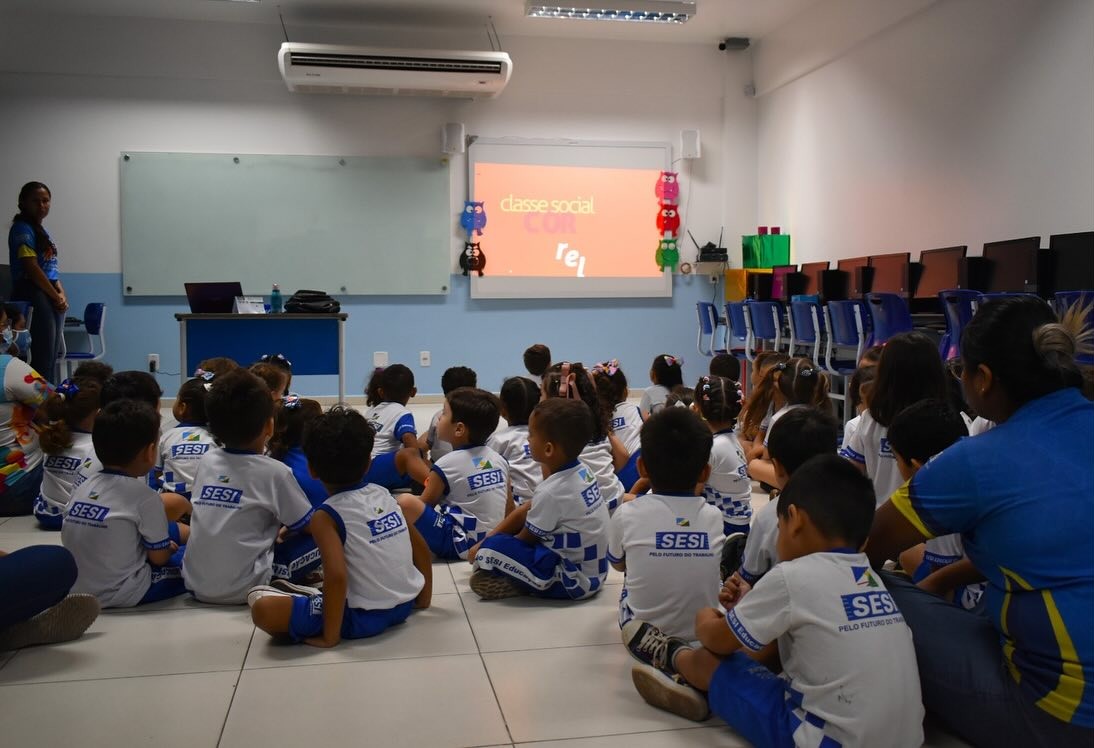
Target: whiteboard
(345, 225)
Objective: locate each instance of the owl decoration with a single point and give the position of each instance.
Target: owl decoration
(667, 255)
(473, 218)
(667, 187)
(473, 258)
(668, 219)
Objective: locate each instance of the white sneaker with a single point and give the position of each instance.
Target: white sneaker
(264, 590)
(295, 589)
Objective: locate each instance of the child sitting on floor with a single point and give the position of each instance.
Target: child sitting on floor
(182, 447)
(65, 439)
(848, 667)
(668, 541)
(396, 458)
(453, 378)
(376, 570)
(556, 544)
(291, 418)
(519, 396)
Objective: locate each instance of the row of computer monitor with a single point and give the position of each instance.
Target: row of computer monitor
(1013, 265)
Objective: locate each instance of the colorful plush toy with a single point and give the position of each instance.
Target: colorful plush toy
(668, 219)
(473, 258)
(473, 218)
(667, 187)
(667, 255)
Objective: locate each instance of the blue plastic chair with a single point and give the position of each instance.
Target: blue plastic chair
(847, 329)
(764, 321)
(958, 307)
(889, 316)
(806, 328)
(1065, 300)
(94, 322)
(736, 329)
(708, 328)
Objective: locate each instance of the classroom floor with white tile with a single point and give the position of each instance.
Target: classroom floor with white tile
(463, 673)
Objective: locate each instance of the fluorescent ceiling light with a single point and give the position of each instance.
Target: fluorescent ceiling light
(651, 11)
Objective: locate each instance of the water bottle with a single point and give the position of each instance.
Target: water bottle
(276, 306)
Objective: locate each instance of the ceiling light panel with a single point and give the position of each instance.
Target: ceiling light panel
(648, 11)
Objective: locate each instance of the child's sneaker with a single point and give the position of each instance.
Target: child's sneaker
(650, 645)
(491, 586)
(732, 553)
(264, 590)
(65, 621)
(292, 588)
(669, 692)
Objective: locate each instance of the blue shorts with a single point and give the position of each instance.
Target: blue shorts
(444, 535)
(167, 579)
(47, 519)
(295, 558)
(752, 700)
(628, 474)
(382, 472)
(307, 619)
(535, 566)
(730, 528)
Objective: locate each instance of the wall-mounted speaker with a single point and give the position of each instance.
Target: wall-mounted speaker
(690, 147)
(453, 138)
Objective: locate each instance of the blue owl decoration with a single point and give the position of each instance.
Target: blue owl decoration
(473, 218)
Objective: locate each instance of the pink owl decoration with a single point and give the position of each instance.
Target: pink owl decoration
(668, 187)
(668, 219)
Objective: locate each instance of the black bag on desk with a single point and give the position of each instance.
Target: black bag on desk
(312, 302)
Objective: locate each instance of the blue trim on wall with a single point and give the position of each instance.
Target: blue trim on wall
(488, 335)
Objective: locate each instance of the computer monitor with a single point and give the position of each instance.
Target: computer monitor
(941, 270)
(891, 274)
(778, 281)
(812, 270)
(212, 298)
(1074, 260)
(1013, 265)
(855, 284)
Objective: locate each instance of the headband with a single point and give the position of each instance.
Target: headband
(566, 387)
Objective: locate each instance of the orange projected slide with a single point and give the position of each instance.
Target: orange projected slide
(568, 221)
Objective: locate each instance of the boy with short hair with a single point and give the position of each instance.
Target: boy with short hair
(669, 541)
(376, 570)
(242, 498)
(537, 359)
(849, 674)
(917, 434)
(453, 378)
(467, 492)
(726, 365)
(799, 435)
(554, 545)
(126, 547)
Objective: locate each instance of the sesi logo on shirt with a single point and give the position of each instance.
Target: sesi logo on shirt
(618, 423)
(221, 495)
(189, 450)
(689, 541)
(60, 462)
(886, 450)
(387, 523)
(490, 475)
(873, 604)
(84, 510)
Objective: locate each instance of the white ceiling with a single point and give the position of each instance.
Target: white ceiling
(715, 18)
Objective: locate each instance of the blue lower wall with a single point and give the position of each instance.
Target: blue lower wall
(487, 335)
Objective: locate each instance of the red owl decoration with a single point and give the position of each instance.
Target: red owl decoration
(668, 219)
(668, 186)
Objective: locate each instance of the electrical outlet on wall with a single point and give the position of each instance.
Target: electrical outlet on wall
(424, 359)
(153, 362)
(379, 358)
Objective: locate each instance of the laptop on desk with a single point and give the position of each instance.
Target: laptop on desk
(212, 298)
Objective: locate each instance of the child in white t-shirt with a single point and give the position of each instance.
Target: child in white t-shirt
(249, 519)
(519, 396)
(798, 382)
(376, 569)
(668, 542)
(65, 439)
(182, 447)
(801, 435)
(666, 372)
(554, 545)
(822, 618)
(728, 488)
(467, 492)
(453, 378)
(126, 547)
(396, 458)
(626, 419)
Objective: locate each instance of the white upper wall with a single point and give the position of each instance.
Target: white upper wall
(87, 89)
(968, 121)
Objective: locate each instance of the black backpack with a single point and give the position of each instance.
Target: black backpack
(312, 302)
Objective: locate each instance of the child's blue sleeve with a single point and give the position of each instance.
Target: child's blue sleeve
(405, 425)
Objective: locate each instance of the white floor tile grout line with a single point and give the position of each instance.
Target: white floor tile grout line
(235, 686)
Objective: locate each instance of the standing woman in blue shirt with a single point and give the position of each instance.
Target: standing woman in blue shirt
(35, 276)
(1022, 497)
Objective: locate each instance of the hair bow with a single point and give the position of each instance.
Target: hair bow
(271, 357)
(706, 388)
(674, 360)
(290, 402)
(68, 389)
(566, 382)
(200, 373)
(607, 367)
(806, 371)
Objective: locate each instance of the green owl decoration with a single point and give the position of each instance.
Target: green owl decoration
(667, 255)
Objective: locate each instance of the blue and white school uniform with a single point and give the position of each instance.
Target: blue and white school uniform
(381, 579)
(761, 548)
(569, 517)
(111, 522)
(671, 544)
(869, 446)
(181, 448)
(312, 487)
(598, 457)
(849, 668)
(653, 399)
(391, 422)
(58, 476)
(240, 501)
(627, 427)
(729, 488)
(524, 472)
(476, 487)
(944, 551)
